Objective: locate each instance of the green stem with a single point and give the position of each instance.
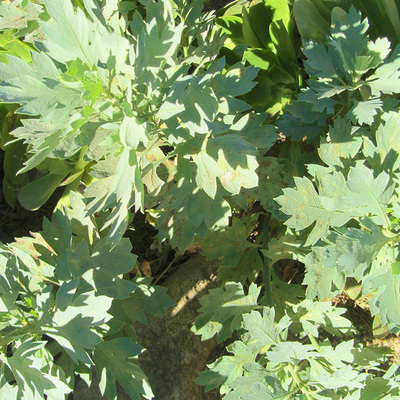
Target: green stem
(6, 339)
(299, 382)
(266, 263)
(27, 328)
(314, 342)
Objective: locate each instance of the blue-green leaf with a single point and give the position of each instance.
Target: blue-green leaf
(115, 361)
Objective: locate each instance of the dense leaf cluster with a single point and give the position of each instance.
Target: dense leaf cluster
(130, 107)
(65, 306)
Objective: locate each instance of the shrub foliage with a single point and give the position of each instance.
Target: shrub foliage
(130, 107)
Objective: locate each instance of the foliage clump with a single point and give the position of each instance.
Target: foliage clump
(129, 107)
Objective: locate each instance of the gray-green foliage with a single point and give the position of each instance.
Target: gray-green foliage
(266, 362)
(348, 203)
(129, 105)
(313, 18)
(63, 298)
(341, 220)
(349, 74)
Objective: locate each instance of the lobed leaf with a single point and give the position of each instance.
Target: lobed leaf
(114, 361)
(222, 310)
(32, 381)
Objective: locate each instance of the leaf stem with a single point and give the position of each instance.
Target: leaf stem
(266, 262)
(5, 340)
(314, 342)
(299, 382)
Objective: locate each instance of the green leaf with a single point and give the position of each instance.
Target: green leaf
(28, 370)
(385, 155)
(386, 298)
(13, 46)
(259, 17)
(396, 268)
(248, 267)
(74, 319)
(231, 25)
(354, 250)
(42, 137)
(344, 377)
(188, 211)
(256, 384)
(102, 268)
(315, 314)
(339, 64)
(339, 356)
(192, 101)
(157, 42)
(9, 268)
(363, 112)
(236, 81)
(7, 391)
(14, 157)
(240, 258)
(57, 234)
(34, 194)
(146, 297)
(310, 19)
(320, 61)
(148, 162)
(19, 14)
(116, 361)
(132, 132)
(82, 225)
(251, 127)
(371, 195)
(283, 247)
(229, 158)
(350, 42)
(228, 243)
(281, 38)
(321, 281)
(263, 332)
(260, 58)
(306, 117)
(341, 145)
(71, 35)
(386, 77)
(283, 293)
(120, 189)
(249, 35)
(306, 207)
(38, 90)
(222, 310)
(337, 201)
(271, 180)
(291, 352)
(227, 368)
(32, 271)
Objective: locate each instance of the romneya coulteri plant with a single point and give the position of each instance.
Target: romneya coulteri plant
(130, 108)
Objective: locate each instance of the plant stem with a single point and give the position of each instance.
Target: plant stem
(299, 382)
(314, 342)
(267, 267)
